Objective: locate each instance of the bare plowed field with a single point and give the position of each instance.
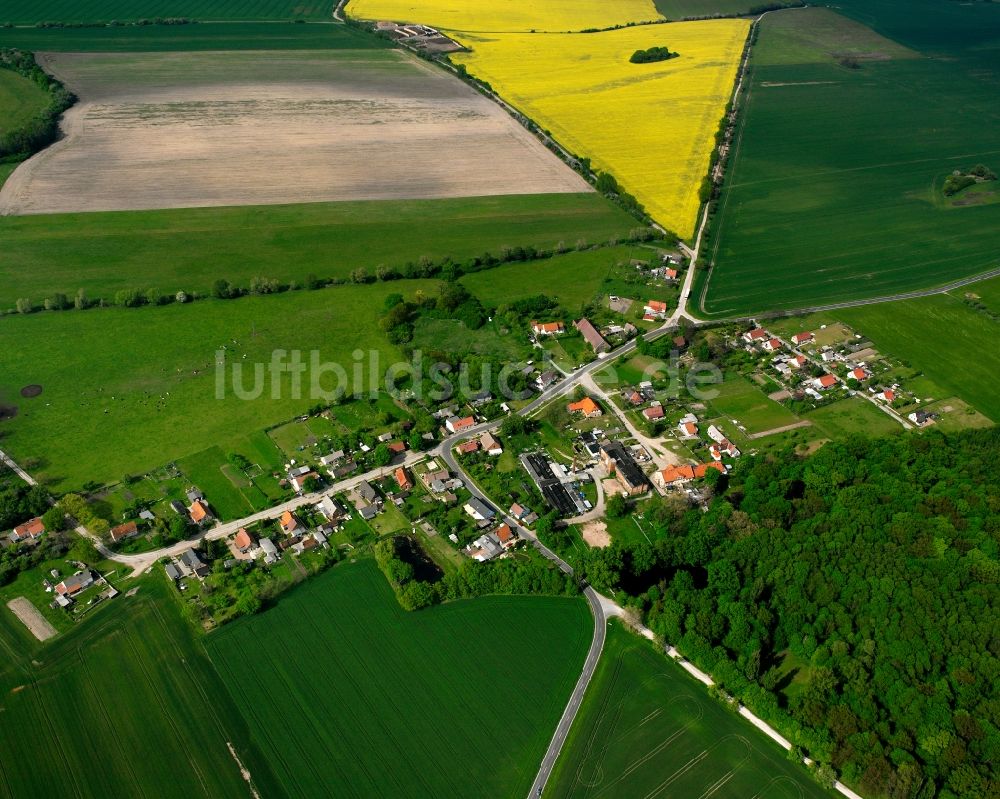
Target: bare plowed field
(173, 130)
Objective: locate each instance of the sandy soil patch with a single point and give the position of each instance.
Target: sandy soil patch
(596, 534)
(32, 618)
(169, 130)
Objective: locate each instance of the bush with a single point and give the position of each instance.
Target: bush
(652, 55)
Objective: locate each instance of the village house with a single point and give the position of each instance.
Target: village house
(829, 355)
(755, 335)
(490, 445)
(586, 406)
(403, 479)
(859, 374)
(367, 492)
(72, 586)
(456, 425)
(655, 309)
(268, 550)
(825, 382)
(288, 523)
(479, 510)
(300, 480)
(670, 273)
(801, 338)
(678, 475)
(653, 412)
(547, 328)
(332, 458)
(687, 429)
(545, 379)
(468, 447)
(591, 336)
(633, 397)
(31, 530)
(200, 513)
(193, 495)
(725, 447)
(397, 447)
(620, 464)
(485, 548)
(921, 418)
(329, 509)
(172, 572)
(523, 514)
(123, 532)
(798, 361)
(506, 536)
(243, 541)
(435, 477)
(886, 395)
(772, 345)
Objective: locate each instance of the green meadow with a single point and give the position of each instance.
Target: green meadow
(807, 216)
(126, 390)
(351, 696)
(946, 338)
(646, 728)
(125, 704)
(20, 100)
(573, 279)
(738, 398)
(103, 253)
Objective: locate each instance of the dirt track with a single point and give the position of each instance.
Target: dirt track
(32, 618)
(169, 130)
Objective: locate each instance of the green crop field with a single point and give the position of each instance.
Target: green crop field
(23, 12)
(351, 696)
(683, 9)
(126, 704)
(105, 252)
(646, 728)
(126, 390)
(214, 36)
(740, 399)
(20, 100)
(807, 217)
(573, 279)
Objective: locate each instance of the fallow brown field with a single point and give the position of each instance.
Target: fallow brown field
(172, 130)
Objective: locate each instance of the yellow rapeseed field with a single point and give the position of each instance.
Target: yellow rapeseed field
(652, 125)
(508, 15)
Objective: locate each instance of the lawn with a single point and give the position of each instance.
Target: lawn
(20, 100)
(126, 390)
(190, 38)
(806, 216)
(226, 490)
(103, 253)
(852, 416)
(352, 696)
(573, 279)
(646, 728)
(951, 342)
(452, 336)
(31, 11)
(650, 125)
(127, 704)
(740, 399)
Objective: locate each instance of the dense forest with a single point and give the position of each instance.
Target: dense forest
(851, 598)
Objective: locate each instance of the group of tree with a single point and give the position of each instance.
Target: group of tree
(870, 573)
(522, 575)
(43, 128)
(652, 54)
(957, 180)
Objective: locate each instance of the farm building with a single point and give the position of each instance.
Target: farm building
(620, 463)
(591, 336)
(75, 584)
